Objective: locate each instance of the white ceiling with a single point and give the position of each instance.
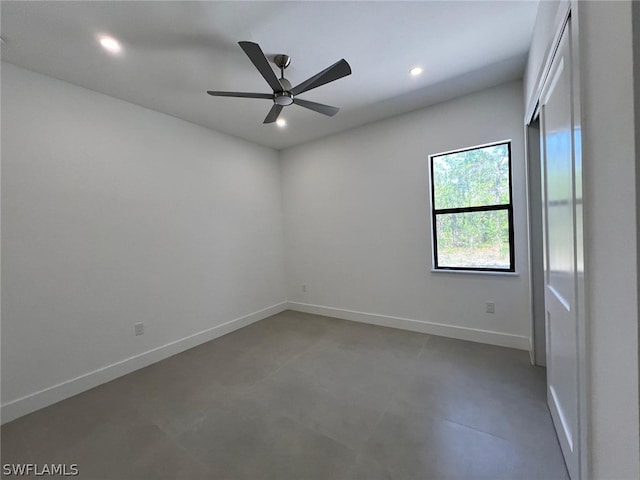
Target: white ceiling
(175, 51)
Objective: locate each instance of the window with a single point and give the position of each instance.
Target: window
(472, 210)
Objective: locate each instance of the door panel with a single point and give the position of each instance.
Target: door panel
(560, 283)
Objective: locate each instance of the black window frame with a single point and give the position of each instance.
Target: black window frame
(484, 208)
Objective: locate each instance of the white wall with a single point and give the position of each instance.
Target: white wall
(113, 214)
(636, 93)
(357, 223)
(609, 163)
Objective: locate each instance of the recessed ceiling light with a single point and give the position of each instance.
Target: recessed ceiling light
(281, 122)
(415, 71)
(110, 44)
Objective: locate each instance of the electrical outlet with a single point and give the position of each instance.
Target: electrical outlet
(304, 288)
(490, 307)
(139, 328)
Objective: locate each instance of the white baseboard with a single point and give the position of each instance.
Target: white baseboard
(48, 396)
(452, 331)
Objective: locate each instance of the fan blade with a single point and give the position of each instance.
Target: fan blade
(272, 116)
(317, 107)
(267, 96)
(254, 52)
(334, 72)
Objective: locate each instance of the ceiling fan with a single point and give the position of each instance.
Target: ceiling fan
(283, 93)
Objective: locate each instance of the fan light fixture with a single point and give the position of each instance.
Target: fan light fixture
(110, 44)
(281, 122)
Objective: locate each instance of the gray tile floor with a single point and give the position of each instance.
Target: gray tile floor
(300, 396)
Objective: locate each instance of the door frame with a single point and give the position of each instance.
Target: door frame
(538, 349)
(567, 11)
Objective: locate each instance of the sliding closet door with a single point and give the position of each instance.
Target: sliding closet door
(560, 204)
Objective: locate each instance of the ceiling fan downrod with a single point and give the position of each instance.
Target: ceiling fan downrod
(285, 97)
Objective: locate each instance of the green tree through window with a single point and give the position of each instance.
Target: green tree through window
(472, 211)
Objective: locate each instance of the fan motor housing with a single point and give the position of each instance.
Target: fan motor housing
(282, 98)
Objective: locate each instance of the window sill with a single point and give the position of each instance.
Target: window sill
(475, 272)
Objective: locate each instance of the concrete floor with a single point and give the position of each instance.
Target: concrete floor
(304, 397)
